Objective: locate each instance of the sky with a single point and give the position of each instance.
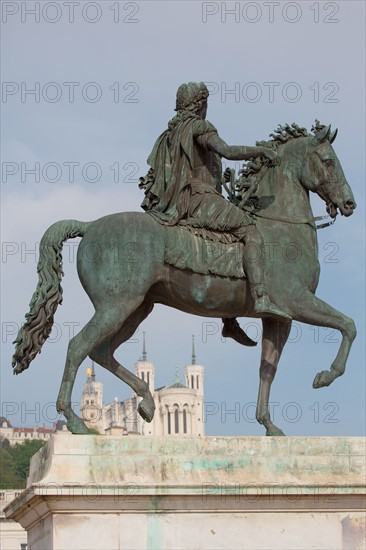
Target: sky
(87, 87)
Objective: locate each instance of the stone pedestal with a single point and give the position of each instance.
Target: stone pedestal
(155, 493)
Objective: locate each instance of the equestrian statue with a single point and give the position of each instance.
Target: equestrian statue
(252, 254)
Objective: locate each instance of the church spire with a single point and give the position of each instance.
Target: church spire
(92, 372)
(193, 352)
(144, 354)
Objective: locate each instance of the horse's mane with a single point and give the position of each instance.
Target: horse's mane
(281, 135)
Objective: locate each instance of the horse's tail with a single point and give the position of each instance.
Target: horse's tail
(48, 294)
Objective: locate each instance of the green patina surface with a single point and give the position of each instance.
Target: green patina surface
(216, 464)
(154, 535)
(127, 273)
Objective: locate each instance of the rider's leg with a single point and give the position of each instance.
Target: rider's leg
(232, 329)
(254, 267)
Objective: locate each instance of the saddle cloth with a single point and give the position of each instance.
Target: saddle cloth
(203, 251)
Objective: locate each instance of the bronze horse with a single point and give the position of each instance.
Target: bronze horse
(123, 283)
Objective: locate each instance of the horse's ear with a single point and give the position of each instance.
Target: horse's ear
(333, 135)
(322, 134)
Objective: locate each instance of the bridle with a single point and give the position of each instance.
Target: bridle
(310, 222)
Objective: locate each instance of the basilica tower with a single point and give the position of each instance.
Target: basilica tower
(91, 404)
(144, 369)
(194, 374)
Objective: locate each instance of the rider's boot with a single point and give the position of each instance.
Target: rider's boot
(232, 329)
(263, 305)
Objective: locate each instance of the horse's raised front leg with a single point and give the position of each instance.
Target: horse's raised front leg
(310, 309)
(274, 338)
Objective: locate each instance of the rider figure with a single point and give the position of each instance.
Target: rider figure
(184, 184)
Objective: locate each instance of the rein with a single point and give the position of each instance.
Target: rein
(310, 222)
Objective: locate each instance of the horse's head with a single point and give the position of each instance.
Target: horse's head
(322, 173)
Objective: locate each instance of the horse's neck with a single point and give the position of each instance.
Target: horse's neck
(282, 194)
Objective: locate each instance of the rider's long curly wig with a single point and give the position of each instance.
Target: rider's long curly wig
(190, 100)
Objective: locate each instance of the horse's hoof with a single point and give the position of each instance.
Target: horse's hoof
(146, 409)
(77, 426)
(273, 431)
(322, 379)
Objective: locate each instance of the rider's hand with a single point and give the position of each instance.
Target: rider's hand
(227, 175)
(270, 155)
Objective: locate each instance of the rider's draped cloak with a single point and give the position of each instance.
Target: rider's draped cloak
(175, 195)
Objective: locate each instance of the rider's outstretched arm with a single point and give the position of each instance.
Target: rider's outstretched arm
(237, 152)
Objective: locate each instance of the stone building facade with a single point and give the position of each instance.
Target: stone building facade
(12, 534)
(20, 435)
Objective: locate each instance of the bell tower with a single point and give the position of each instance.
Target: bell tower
(91, 404)
(144, 369)
(194, 374)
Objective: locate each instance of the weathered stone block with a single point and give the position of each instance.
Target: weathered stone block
(98, 492)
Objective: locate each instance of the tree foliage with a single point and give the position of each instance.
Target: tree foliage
(8, 478)
(14, 463)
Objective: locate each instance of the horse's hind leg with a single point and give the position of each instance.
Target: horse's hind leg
(103, 355)
(77, 351)
(310, 309)
(103, 326)
(274, 338)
